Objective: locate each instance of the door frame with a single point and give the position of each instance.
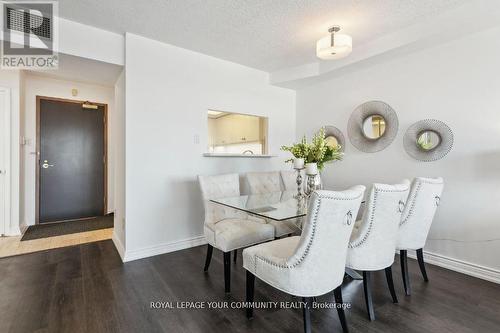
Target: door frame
(7, 158)
(105, 157)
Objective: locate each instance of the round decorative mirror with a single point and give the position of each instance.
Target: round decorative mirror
(374, 127)
(334, 137)
(428, 140)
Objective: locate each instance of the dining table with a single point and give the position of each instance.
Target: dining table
(276, 206)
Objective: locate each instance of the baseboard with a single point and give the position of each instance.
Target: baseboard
(119, 246)
(460, 266)
(163, 248)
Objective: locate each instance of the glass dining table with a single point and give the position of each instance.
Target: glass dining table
(277, 206)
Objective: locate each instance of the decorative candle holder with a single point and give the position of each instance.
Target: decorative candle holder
(299, 194)
(313, 183)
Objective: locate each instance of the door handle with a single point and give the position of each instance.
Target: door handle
(46, 165)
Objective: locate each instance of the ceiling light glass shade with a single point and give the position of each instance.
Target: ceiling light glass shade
(342, 46)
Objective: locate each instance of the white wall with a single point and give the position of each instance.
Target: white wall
(43, 86)
(457, 83)
(12, 80)
(168, 92)
(119, 165)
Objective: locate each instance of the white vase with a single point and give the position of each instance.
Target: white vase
(311, 169)
(298, 163)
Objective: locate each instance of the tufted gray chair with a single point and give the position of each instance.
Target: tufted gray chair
(270, 182)
(312, 264)
(424, 198)
(289, 178)
(373, 242)
(225, 228)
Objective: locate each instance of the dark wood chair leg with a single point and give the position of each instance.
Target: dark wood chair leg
(421, 263)
(403, 258)
(390, 283)
(340, 310)
(235, 255)
(368, 294)
(210, 250)
(306, 311)
(250, 293)
(227, 272)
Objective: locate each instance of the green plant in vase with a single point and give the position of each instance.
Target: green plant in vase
(318, 151)
(315, 155)
(298, 150)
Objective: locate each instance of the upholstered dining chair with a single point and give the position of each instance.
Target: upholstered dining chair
(289, 179)
(373, 242)
(312, 264)
(264, 182)
(227, 229)
(424, 198)
(269, 182)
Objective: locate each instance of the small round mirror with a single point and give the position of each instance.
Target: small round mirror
(374, 127)
(331, 141)
(428, 140)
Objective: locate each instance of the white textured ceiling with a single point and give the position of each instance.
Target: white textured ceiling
(265, 34)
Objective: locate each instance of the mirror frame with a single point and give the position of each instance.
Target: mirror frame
(337, 133)
(428, 125)
(356, 121)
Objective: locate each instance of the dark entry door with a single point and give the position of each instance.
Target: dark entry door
(72, 161)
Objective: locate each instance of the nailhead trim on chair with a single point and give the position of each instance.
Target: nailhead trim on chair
(412, 207)
(309, 244)
(370, 226)
(414, 200)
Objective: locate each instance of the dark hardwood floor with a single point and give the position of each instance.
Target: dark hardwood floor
(86, 288)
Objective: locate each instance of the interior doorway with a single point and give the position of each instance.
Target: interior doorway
(71, 174)
(4, 161)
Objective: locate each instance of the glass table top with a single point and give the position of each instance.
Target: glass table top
(278, 206)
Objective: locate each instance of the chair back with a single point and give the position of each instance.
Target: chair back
(289, 178)
(217, 187)
(319, 259)
(263, 182)
(374, 244)
(424, 198)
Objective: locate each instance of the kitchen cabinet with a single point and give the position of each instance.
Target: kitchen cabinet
(236, 128)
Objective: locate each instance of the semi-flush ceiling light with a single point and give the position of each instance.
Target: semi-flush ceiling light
(334, 46)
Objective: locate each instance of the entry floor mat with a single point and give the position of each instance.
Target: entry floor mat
(67, 227)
